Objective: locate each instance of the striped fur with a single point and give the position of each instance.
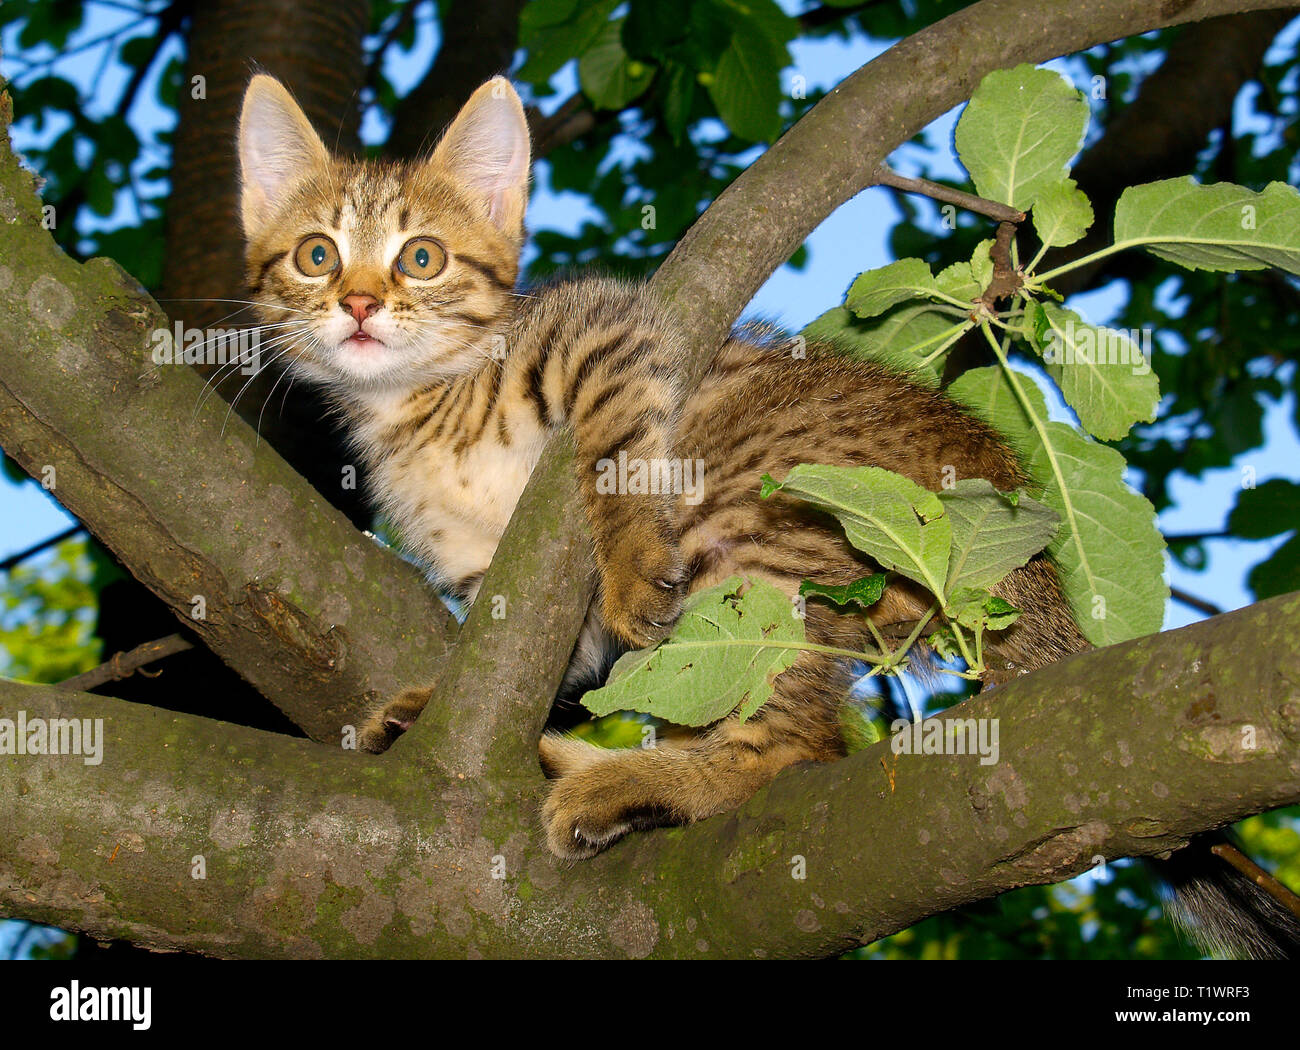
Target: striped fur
(450, 414)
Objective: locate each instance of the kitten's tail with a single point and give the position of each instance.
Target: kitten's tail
(1222, 910)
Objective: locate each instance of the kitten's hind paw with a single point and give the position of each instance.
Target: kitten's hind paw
(597, 797)
(392, 719)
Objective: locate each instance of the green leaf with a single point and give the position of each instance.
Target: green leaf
(865, 592)
(607, 75)
(1062, 213)
(677, 100)
(1019, 132)
(1267, 510)
(981, 264)
(908, 339)
(858, 729)
(1279, 574)
(990, 535)
(988, 395)
(1103, 374)
(746, 89)
(958, 281)
(1220, 227)
(877, 290)
(1108, 552)
(978, 608)
(718, 659)
(555, 31)
(1034, 326)
(898, 523)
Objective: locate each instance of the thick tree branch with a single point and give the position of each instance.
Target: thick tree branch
(272, 578)
(1125, 751)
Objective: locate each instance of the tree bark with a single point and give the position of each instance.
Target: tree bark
(309, 852)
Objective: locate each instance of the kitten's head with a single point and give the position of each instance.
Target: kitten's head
(382, 276)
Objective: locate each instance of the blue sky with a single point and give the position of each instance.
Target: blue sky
(851, 240)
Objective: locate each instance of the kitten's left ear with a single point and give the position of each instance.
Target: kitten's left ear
(277, 147)
(487, 149)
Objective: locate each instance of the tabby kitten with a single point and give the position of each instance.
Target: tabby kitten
(451, 384)
(399, 280)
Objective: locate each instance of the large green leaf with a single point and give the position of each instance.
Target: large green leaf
(908, 339)
(987, 394)
(1107, 549)
(877, 290)
(1019, 132)
(991, 535)
(898, 523)
(746, 83)
(1103, 374)
(719, 658)
(1220, 227)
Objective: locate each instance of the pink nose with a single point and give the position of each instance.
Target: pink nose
(359, 306)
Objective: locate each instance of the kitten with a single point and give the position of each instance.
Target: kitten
(402, 279)
(451, 384)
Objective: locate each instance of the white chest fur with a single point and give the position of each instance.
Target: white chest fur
(451, 508)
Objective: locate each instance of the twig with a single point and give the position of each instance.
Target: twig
(1006, 279)
(979, 205)
(1229, 853)
(1200, 604)
(22, 556)
(124, 665)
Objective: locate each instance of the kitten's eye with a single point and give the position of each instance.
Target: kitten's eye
(422, 258)
(316, 256)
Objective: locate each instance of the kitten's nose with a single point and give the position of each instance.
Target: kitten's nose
(359, 306)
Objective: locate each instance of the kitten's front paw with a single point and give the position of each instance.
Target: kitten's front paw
(643, 584)
(393, 719)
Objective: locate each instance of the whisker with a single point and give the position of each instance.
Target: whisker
(215, 380)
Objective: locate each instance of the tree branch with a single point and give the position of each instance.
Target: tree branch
(1126, 751)
(123, 665)
(979, 205)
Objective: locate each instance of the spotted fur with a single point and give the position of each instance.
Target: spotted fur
(451, 409)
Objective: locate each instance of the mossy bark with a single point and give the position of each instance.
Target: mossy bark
(310, 851)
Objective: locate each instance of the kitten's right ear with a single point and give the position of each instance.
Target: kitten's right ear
(277, 147)
(487, 150)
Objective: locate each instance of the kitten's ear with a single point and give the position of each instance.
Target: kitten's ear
(486, 149)
(277, 147)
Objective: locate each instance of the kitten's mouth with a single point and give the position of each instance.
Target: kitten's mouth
(362, 341)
